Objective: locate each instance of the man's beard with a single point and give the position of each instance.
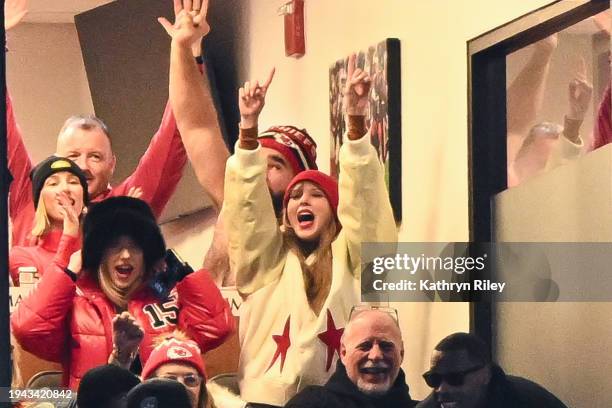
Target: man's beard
(277, 203)
(374, 390)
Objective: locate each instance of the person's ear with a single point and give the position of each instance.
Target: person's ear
(342, 352)
(113, 164)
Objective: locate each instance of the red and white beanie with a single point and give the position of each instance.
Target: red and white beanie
(294, 144)
(173, 350)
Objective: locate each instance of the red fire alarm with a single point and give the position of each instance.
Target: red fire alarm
(293, 12)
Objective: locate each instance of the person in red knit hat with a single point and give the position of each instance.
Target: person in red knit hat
(300, 280)
(310, 218)
(178, 358)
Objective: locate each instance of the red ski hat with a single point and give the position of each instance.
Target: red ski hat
(328, 184)
(173, 350)
(294, 144)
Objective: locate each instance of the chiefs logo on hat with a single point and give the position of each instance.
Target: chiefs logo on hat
(178, 352)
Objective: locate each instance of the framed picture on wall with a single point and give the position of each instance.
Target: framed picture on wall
(382, 62)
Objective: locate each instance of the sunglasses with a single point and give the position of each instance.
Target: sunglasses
(355, 310)
(189, 380)
(455, 379)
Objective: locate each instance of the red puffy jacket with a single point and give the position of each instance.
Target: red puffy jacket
(72, 323)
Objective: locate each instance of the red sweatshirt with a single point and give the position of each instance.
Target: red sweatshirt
(53, 248)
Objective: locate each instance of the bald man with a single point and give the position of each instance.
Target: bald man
(368, 373)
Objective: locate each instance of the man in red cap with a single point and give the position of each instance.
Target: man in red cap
(289, 151)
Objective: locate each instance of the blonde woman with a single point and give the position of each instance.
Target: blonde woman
(60, 194)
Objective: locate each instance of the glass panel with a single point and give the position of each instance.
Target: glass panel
(556, 89)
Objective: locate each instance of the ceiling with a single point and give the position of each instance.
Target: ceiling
(59, 11)
(63, 11)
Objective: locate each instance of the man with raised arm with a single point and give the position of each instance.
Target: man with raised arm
(549, 145)
(289, 150)
(86, 140)
(191, 98)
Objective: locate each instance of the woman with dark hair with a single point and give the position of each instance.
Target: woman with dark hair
(70, 316)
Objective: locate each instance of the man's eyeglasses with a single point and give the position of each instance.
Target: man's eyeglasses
(355, 310)
(455, 379)
(189, 380)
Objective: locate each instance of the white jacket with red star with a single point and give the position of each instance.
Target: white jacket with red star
(285, 346)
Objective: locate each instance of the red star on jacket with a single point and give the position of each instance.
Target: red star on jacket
(331, 338)
(282, 345)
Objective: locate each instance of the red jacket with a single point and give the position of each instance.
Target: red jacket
(52, 248)
(158, 173)
(71, 323)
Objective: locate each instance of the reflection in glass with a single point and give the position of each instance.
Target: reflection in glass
(558, 92)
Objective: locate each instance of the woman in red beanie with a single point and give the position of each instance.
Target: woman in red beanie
(176, 357)
(300, 280)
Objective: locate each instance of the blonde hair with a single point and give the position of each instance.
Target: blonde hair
(118, 296)
(316, 262)
(41, 220)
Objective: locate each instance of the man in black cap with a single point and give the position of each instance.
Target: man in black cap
(105, 387)
(463, 376)
(368, 373)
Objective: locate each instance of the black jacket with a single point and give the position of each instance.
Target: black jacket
(507, 391)
(340, 392)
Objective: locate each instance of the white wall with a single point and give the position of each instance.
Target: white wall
(433, 38)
